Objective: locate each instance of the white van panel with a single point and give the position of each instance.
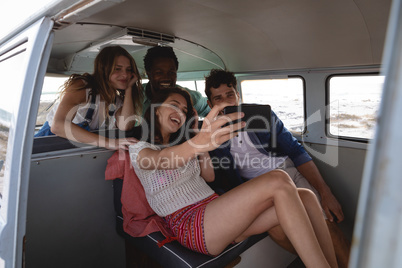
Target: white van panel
(16, 174)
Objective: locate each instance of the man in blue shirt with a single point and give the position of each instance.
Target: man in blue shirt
(161, 66)
(250, 154)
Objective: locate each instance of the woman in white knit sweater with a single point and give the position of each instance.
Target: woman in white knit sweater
(174, 169)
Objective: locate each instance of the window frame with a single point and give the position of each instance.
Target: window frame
(328, 107)
(272, 77)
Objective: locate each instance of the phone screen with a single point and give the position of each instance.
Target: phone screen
(256, 116)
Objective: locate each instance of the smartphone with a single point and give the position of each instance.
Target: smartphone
(256, 116)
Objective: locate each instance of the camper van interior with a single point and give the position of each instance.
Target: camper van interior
(320, 65)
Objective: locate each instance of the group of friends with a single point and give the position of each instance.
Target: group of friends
(208, 203)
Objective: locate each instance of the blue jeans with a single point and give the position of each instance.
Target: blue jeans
(45, 129)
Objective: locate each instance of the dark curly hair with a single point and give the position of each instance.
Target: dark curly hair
(159, 52)
(217, 77)
(182, 134)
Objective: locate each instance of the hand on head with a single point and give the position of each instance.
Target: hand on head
(132, 81)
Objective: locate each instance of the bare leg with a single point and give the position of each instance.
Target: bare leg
(321, 231)
(341, 244)
(278, 236)
(257, 206)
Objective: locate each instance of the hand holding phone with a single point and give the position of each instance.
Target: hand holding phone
(256, 116)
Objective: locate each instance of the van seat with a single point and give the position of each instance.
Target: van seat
(174, 255)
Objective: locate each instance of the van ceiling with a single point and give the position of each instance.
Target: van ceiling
(238, 35)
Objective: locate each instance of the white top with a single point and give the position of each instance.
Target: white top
(249, 161)
(82, 111)
(169, 190)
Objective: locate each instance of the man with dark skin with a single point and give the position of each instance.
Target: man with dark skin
(161, 66)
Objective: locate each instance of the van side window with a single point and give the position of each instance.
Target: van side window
(50, 93)
(286, 97)
(196, 85)
(353, 105)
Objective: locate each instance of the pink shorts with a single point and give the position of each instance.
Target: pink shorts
(187, 225)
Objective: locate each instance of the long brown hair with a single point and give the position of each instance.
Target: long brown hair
(181, 135)
(99, 81)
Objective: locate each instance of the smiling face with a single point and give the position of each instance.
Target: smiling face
(122, 73)
(172, 115)
(163, 74)
(224, 93)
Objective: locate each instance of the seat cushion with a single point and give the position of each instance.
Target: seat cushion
(175, 255)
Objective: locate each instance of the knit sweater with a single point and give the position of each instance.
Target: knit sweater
(168, 190)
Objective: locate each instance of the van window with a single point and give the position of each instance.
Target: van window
(196, 85)
(52, 86)
(285, 95)
(353, 105)
(10, 61)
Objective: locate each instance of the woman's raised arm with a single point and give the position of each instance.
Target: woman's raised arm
(211, 135)
(125, 116)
